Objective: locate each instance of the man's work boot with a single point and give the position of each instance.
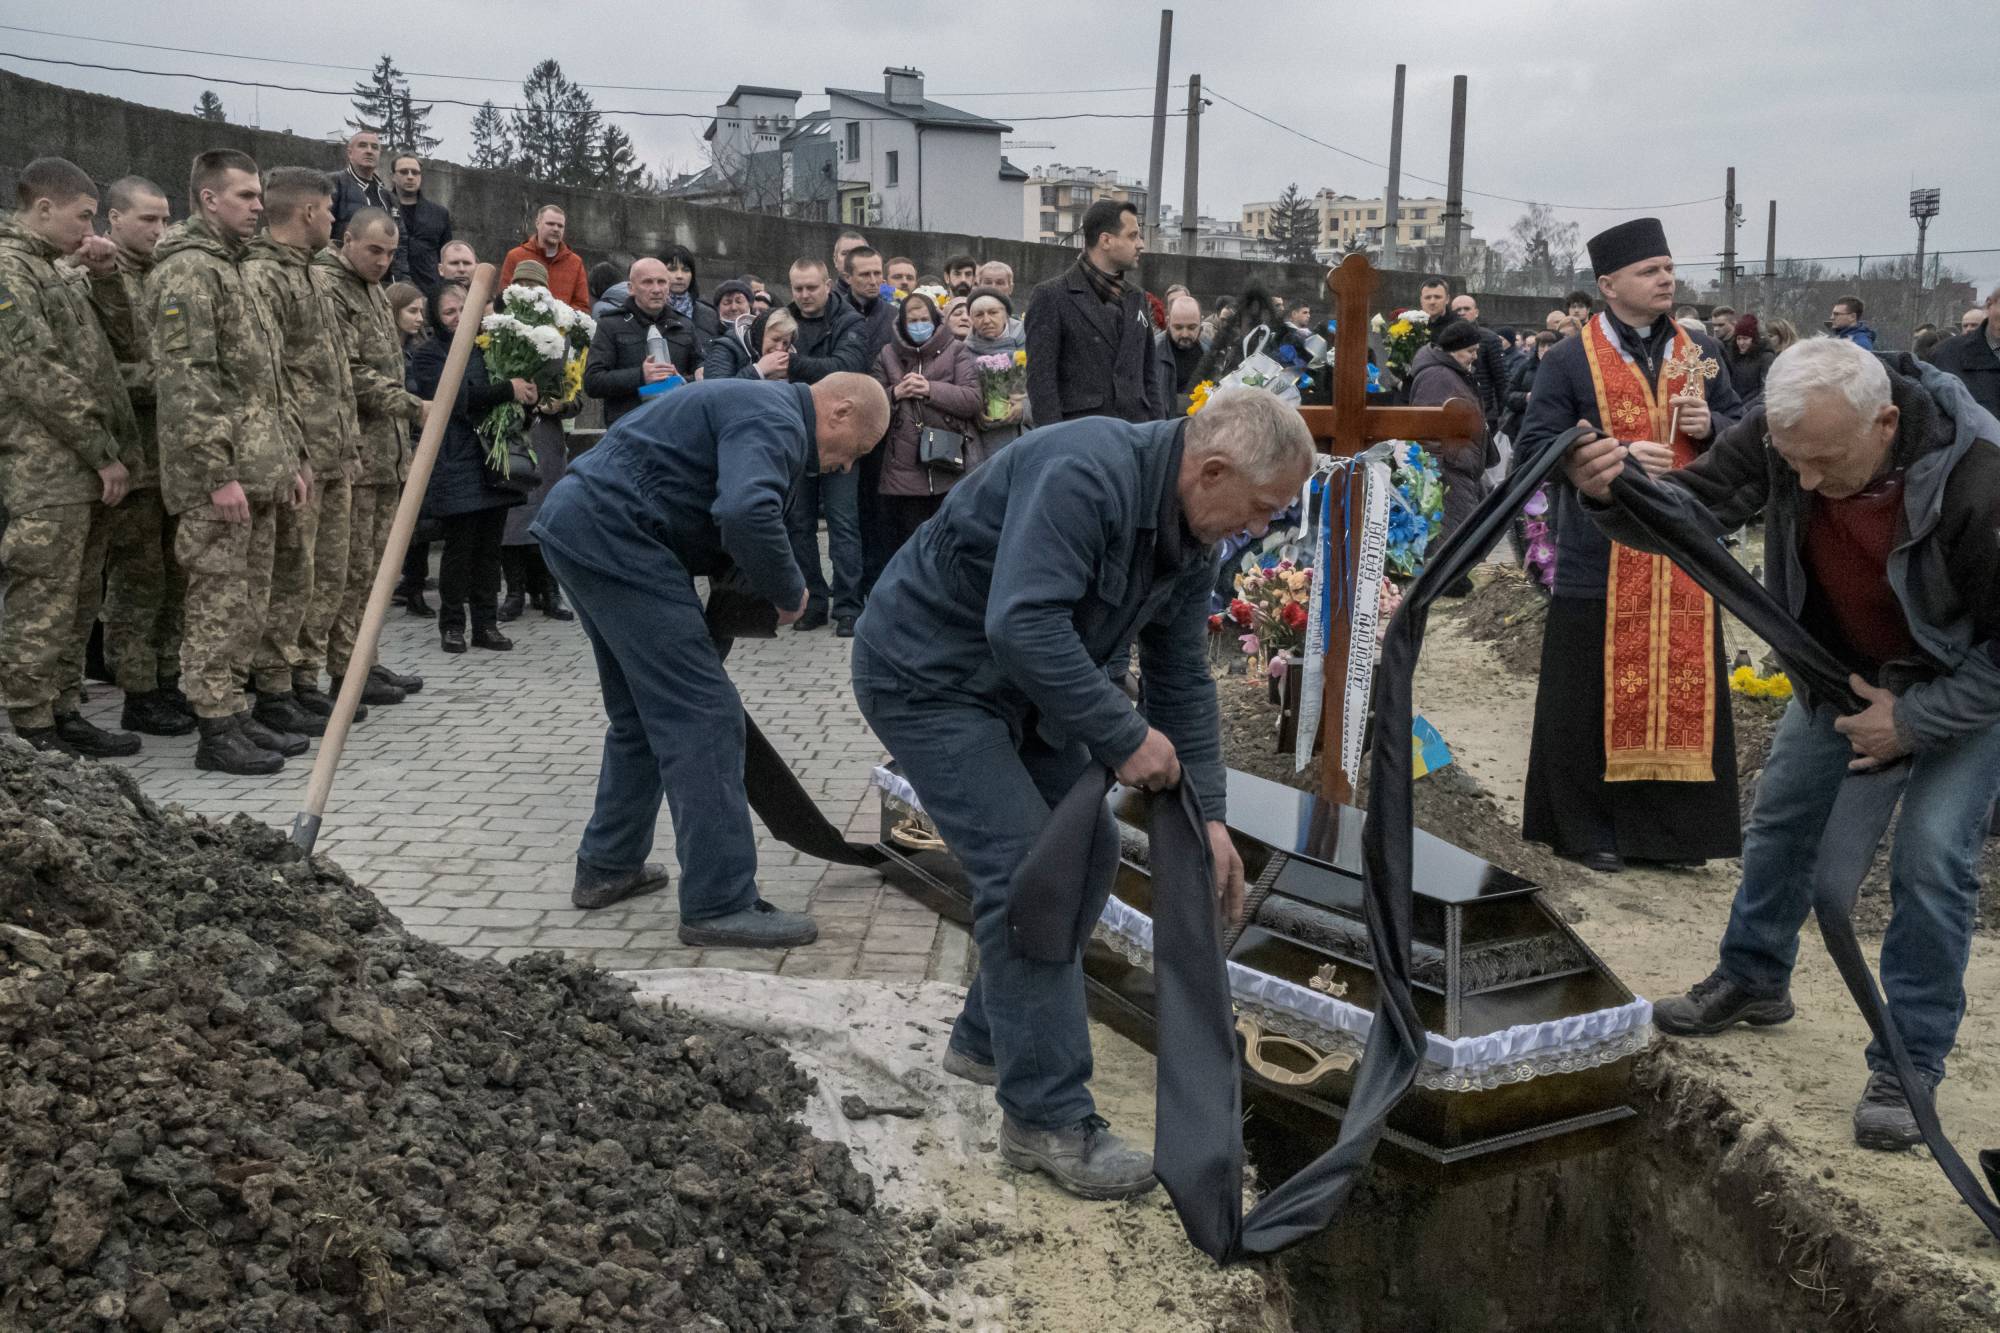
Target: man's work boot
(960, 1065)
(46, 740)
(286, 743)
(512, 605)
(92, 741)
(223, 748)
(1715, 1003)
(281, 712)
(373, 691)
(151, 715)
(758, 926)
(408, 684)
(1086, 1159)
(1883, 1119)
(596, 888)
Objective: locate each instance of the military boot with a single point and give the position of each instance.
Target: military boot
(152, 714)
(286, 743)
(170, 690)
(92, 741)
(281, 712)
(407, 683)
(45, 739)
(315, 700)
(223, 748)
(373, 691)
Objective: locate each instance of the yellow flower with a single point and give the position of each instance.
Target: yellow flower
(1400, 328)
(1199, 398)
(1020, 357)
(485, 340)
(1746, 682)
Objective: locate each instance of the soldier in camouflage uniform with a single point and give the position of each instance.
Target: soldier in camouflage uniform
(386, 411)
(65, 455)
(319, 418)
(144, 588)
(227, 459)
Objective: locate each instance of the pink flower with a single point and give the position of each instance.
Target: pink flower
(1252, 645)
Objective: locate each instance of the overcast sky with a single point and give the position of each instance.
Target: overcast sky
(1836, 108)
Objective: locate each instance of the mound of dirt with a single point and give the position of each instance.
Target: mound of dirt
(1507, 610)
(239, 1096)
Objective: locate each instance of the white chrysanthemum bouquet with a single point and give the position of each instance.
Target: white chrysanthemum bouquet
(533, 337)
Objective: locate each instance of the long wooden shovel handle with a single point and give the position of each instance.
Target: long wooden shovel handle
(305, 827)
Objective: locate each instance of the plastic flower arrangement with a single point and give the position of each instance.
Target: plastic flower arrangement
(1540, 557)
(1198, 397)
(533, 337)
(1271, 606)
(1745, 681)
(1416, 509)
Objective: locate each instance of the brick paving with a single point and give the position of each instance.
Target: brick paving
(461, 808)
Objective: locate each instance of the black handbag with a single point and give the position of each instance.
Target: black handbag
(521, 472)
(941, 448)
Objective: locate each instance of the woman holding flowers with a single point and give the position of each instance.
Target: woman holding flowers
(932, 386)
(999, 353)
(468, 501)
(540, 336)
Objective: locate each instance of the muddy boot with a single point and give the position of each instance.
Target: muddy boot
(46, 740)
(286, 743)
(403, 681)
(1716, 1003)
(281, 712)
(960, 1065)
(596, 888)
(152, 715)
(758, 926)
(373, 691)
(92, 741)
(223, 748)
(1086, 1159)
(1883, 1119)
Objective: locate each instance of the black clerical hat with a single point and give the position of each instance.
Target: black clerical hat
(1627, 243)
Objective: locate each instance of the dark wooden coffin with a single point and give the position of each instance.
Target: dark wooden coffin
(1490, 958)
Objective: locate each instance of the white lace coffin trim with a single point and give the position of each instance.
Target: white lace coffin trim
(1453, 1064)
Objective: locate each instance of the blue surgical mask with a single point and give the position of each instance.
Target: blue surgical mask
(920, 331)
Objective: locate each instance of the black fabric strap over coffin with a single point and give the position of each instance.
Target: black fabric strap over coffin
(1198, 1147)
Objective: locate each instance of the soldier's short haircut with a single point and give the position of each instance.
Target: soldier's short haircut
(56, 179)
(289, 189)
(125, 193)
(212, 168)
(366, 220)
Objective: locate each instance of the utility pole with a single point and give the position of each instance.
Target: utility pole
(1454, 192)
(1394, 199)
(1771, 256)
(1729, 239)
(1923, 207)
(1190, 205)
(1159, 156)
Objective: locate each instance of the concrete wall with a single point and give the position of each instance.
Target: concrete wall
(493, 210)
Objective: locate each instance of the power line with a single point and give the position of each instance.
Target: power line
(1208, 88)
(489, 78)
(348, 93)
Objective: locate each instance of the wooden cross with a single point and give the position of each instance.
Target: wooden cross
(1344, 430)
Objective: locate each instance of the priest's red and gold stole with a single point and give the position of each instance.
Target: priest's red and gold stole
(1659, 626)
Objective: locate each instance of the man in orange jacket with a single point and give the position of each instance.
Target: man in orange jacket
(567, 280)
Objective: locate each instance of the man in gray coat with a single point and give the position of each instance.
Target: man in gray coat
(980, 663)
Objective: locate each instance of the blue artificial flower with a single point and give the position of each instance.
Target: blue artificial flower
(1288, 354)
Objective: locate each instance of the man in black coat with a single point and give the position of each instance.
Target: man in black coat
(1974, 356)
(621, 360)
(358, 185)
(1090, 339)
(832, 338)
(426, 229)
(1489, 368)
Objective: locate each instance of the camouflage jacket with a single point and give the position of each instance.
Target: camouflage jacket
(120, 301)
(66, 410)
(385, 407)
(319, 391)
(216, 374)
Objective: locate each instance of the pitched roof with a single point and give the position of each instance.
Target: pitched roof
(752, 90)
(925, 112)
(1010, 172)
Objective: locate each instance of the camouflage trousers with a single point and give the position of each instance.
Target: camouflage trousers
(372, 515)
(295, 537)
(228, 592)
(144, 594)
(335, 498)
(53, 563)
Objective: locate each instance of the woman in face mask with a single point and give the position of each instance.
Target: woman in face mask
(933, 398)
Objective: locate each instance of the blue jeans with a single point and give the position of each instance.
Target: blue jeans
(989, 791)
(676, 726)
(1933, 875)
(838, 495)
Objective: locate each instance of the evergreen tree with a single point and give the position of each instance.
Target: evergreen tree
(1294, 227)
(617, 164)
(209, 107)
(492, 145)
(383, 103)
(557, 131)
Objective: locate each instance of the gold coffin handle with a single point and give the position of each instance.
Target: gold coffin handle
(914, 834)
(1255, 1039)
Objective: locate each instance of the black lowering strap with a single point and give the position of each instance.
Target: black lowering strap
(1198, 1144)
(791, 815)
